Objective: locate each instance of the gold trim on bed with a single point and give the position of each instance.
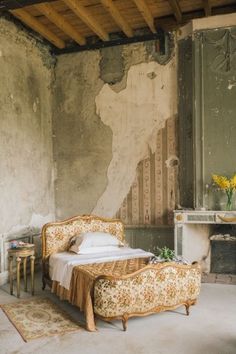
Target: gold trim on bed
(121, 289)
(117, 289)
(56, 236)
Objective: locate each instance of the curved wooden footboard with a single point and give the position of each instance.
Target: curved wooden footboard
(154, 288)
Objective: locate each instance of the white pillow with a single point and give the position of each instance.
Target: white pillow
(94, 250)
(95, 239)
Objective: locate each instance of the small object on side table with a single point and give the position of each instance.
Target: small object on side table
(19, 251)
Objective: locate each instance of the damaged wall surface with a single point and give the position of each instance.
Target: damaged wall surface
(154, 192)
(98, 132)
(114, 104)
(135, 115)
(26, 164)
(82, 143)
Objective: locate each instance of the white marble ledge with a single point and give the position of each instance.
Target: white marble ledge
(204, 217)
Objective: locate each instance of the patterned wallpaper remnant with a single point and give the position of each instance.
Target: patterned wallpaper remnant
(135, 113)
(154, 192)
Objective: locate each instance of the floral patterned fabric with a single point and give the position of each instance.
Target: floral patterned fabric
(121, 288)
(83, 279)
(158, 286)
(57, 236)
(118, 288)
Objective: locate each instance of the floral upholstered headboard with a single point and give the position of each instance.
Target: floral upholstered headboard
(56, 236)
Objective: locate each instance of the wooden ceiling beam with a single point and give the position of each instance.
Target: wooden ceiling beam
(146, 13)
(176, 9)
(111, 43)
(48, 11)
(207, 7)
(18, 4)
(168, 23)
(117, 17)
(87, 18)
(37, 26)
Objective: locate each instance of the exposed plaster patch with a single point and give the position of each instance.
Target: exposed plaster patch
(35, 104)
(151, 75)
(111, 65)
(132, 54)
(35, 107)
(231, 84)
(172, 161)
(135, 114)
(215, 110)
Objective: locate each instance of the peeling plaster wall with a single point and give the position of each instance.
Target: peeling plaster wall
(26, 178)
(108, 108)
(135, 115)
(82, 143)
(154, 192)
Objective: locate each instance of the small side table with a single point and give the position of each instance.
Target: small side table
(20, 253)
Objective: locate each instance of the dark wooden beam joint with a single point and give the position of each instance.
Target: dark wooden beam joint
(207, 7)
(17, 4)
(162, 41)
(160, 36)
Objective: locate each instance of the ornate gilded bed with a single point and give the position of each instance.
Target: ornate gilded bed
(117, 289)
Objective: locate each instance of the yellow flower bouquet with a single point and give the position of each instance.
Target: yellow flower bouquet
(228, 185)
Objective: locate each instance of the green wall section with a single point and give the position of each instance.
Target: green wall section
(217, 108)
(150, 238)
(208, 146)
(185, 122)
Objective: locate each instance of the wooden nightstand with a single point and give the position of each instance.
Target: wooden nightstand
(19, 254)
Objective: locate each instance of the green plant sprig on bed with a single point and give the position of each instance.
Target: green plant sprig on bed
(167, 254)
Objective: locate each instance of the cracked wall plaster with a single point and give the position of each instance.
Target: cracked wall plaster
(134, 114)
(82, 142)
(111, 65)
(86, 141)
(26, 167)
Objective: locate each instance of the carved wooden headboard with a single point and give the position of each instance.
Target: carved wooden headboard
(57, 235)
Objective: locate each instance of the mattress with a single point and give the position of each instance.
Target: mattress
(61, 264)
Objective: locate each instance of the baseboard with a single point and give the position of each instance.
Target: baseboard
(4, 278)
(219, 278)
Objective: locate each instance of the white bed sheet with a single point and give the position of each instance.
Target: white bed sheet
(62, 264)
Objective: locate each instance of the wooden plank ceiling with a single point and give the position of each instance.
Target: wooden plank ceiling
(79, 23)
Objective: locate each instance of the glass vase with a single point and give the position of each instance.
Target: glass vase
(229, 203)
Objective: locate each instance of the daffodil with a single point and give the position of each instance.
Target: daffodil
(228, 185)
(233, 182)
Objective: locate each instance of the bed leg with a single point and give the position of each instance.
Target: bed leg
(124, 322)
(187, 309)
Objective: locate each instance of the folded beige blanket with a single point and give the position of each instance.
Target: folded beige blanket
(83, 279)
